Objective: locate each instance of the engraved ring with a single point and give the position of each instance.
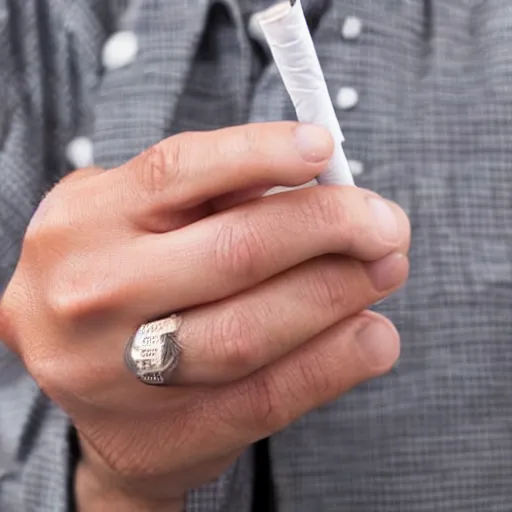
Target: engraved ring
(153, 352)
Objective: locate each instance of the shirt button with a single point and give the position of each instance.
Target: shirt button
(120, 50)
(352, 28)
(347, 98)
(80, 152)
(356, 167)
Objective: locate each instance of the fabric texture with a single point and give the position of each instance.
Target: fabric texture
(433, 128)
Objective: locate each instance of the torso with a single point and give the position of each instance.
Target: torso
(433, 131)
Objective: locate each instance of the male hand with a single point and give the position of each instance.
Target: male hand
(272, 292)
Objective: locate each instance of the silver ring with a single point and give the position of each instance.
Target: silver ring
(153, 352)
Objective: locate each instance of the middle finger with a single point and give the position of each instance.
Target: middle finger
(237, 249)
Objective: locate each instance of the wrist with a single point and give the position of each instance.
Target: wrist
(96, 494)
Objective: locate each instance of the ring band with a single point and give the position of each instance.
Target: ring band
(153, 352)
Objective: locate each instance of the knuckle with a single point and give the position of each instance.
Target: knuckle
(71, 297)
(69, 304)
(268, 412)
(275, 403)
(248, 141)
(34, 236)
(313, 379)
(51, 223)
(152, 172)
(234, 344)
(48, 370)
(325, 208)
(175, 155)
(61, 213)
(326, 289)
(163, 171)
(64, 375)
(160, 170)
(239, 250)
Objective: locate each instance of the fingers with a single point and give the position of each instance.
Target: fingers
(238, 414)
(188, 169)
(235, 250)
(353, 351)
(230, 339)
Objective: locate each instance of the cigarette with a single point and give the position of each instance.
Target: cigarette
(290, 42)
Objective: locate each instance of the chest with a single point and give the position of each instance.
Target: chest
(421, 89)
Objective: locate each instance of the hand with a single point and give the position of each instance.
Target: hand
(272, 293)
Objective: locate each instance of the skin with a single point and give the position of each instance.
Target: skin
(273, 292)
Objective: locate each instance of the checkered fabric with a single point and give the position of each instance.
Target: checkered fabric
(433, 128)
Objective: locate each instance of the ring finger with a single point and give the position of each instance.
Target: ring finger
(232, 338)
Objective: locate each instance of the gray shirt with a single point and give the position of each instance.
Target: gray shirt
(431, 129)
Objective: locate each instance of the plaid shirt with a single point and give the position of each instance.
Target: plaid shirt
(432, 130)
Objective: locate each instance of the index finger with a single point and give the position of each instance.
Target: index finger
(191, 168)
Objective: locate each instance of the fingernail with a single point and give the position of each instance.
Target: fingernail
(388, 272)
(314, 143)
(379, 343)
(384, 217)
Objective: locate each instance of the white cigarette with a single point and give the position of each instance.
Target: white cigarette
(288, 36)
